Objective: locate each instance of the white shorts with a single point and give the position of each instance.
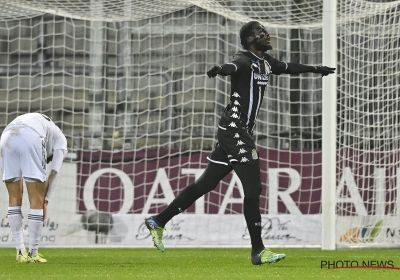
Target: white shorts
(23, 154)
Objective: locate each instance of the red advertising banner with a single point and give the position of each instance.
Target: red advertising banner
(296, 180)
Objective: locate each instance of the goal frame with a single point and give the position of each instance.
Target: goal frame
(329, 99)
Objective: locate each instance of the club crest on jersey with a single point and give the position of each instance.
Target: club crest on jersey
(232, 124)
(254, 154)
(240, 143)
(244, 159)
(267, 68)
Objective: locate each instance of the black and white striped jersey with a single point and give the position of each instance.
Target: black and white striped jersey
(248, 84)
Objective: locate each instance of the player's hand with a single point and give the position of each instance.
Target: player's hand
(45, 211)
(212, 72)
(324, 70)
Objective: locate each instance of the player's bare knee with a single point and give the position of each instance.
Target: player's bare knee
(36, 193)
(36, 202)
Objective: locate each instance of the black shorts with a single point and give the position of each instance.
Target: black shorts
(235, 145)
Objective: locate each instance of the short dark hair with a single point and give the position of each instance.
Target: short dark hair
(245, 32)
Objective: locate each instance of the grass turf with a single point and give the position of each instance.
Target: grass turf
(195, 264)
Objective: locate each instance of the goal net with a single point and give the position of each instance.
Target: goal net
(368, 194)
(126, 82)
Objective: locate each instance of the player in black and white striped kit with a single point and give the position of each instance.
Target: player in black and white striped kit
(250, 71)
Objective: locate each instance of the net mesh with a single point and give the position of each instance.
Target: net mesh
(368, 136)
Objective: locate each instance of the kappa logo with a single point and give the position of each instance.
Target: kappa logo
(234, 109)
(255, 67)
(236, 135)
(240, 143)
(235, 116)
(242, 151)
(232, 124)
(236, 102)
(235, 94)
(244, 159)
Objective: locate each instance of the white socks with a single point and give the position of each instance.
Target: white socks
(35, 228)
(15, 222)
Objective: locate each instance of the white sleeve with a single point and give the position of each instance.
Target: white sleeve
(58, 157)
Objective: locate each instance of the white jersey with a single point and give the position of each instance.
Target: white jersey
(46, 128)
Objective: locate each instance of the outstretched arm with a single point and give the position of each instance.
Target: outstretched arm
(223, 70)
(296, 68)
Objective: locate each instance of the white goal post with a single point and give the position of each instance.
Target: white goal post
(126, 82)
(329, 101)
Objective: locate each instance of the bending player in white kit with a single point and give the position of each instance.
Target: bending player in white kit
(27, 144)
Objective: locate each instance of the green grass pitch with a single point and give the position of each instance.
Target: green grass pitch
(196, 264)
